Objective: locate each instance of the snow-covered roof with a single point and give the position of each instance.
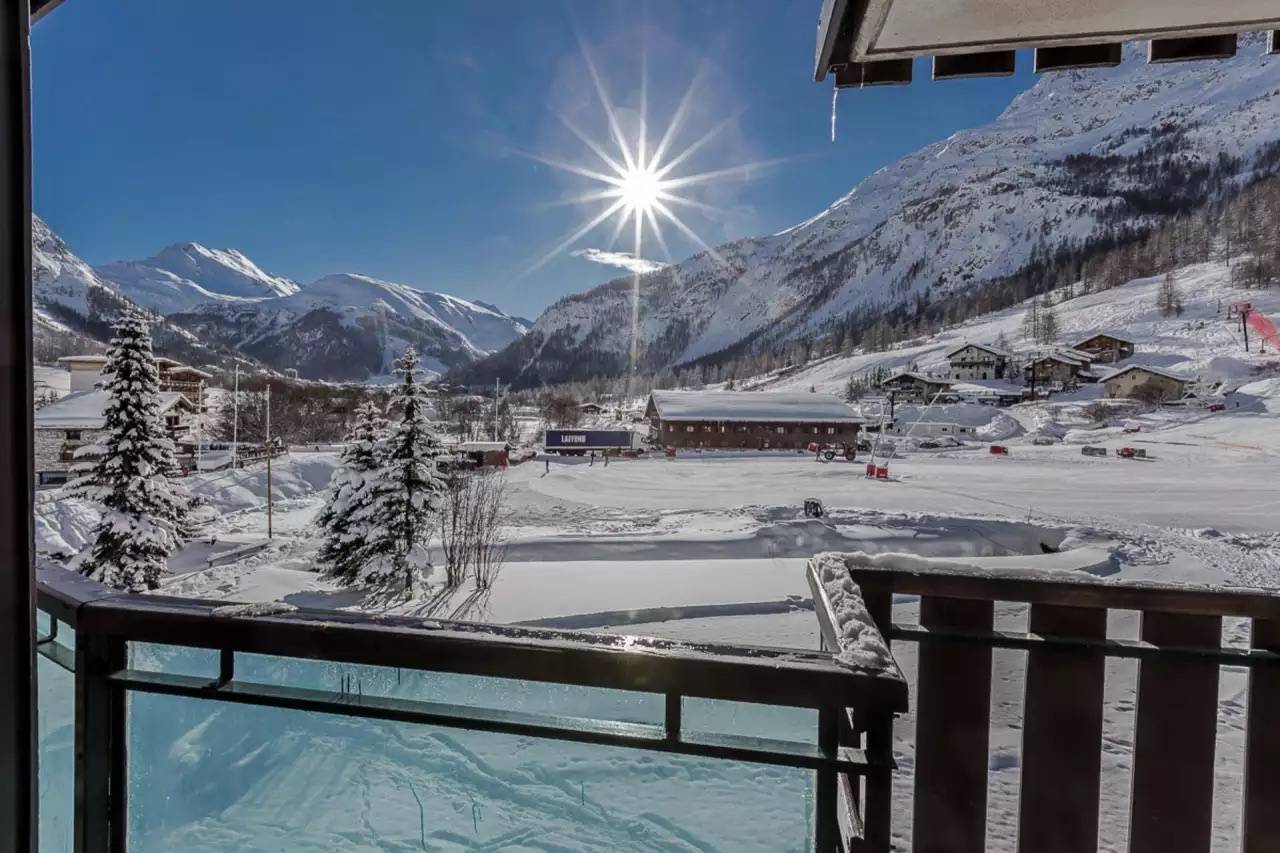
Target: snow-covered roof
(1121, 338)
(84, 410)
(750, 406)
(986, 387)
(83, 359)
(177, 369)
(922, 377)
(999, 353)
(1157, 371)
(1061, 358)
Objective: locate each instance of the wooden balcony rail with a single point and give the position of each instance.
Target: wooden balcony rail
(1179, 654)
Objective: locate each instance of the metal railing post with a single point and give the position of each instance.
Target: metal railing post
(101, 758)
(826, 820)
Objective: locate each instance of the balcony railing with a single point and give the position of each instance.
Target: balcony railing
(108, 627)
(1068, 642)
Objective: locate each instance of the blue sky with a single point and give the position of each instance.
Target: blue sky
(399, 138)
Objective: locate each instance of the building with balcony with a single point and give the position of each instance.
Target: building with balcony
(909, 386)
(1106, 347)
(978, 362)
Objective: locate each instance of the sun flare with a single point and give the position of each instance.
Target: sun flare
(640, 186)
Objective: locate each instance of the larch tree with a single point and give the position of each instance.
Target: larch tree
(1168, 299)
(144, 513)
(1048, 325)
(405, 498)
(340, 520)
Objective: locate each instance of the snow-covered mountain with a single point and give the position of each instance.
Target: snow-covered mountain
(351, 326)
(1079, 155)
(63, 285)
(186, 274)
(217, 301)
(74, 306)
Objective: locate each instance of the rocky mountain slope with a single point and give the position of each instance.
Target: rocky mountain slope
(1078, 156)
(351, 326)
(74, 306)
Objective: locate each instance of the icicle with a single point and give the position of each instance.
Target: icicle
(835, 93)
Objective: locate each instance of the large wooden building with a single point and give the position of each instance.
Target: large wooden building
(978, 362)
(1106, 348)
(760, 420)
(910, 386)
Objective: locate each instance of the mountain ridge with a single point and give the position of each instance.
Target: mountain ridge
(1078, 156)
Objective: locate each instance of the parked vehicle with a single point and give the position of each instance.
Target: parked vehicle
(1043, 440)
(999, 450)
(1093, 451)
(831, 451)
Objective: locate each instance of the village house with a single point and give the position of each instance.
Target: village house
(591, 409)
(908, 386)
(86, 372)
(978, 361)
(759, 420)
(1106, 348)
(1132, 382)
(1052, 371)
(78, 419)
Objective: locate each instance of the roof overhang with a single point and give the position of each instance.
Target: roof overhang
(870, 42)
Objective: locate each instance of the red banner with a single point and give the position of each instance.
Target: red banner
(1264, 328)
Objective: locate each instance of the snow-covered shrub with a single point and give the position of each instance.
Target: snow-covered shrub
(472, 527)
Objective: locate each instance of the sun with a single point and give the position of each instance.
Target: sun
(640, 189)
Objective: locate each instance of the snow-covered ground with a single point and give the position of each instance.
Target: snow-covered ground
(710, 546)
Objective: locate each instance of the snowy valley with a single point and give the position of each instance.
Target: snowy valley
(711, 546)
(679, 541)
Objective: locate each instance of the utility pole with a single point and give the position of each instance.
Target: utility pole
(497, 393)
(235, 421)
(199, 423)
(268, 446)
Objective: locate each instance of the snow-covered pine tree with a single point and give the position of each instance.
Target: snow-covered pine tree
(405, 499)
(350, 491)
(144, 513)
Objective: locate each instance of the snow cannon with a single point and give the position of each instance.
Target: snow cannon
(882, 472)
(999, 450)
(671, 453)
(871, 469)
